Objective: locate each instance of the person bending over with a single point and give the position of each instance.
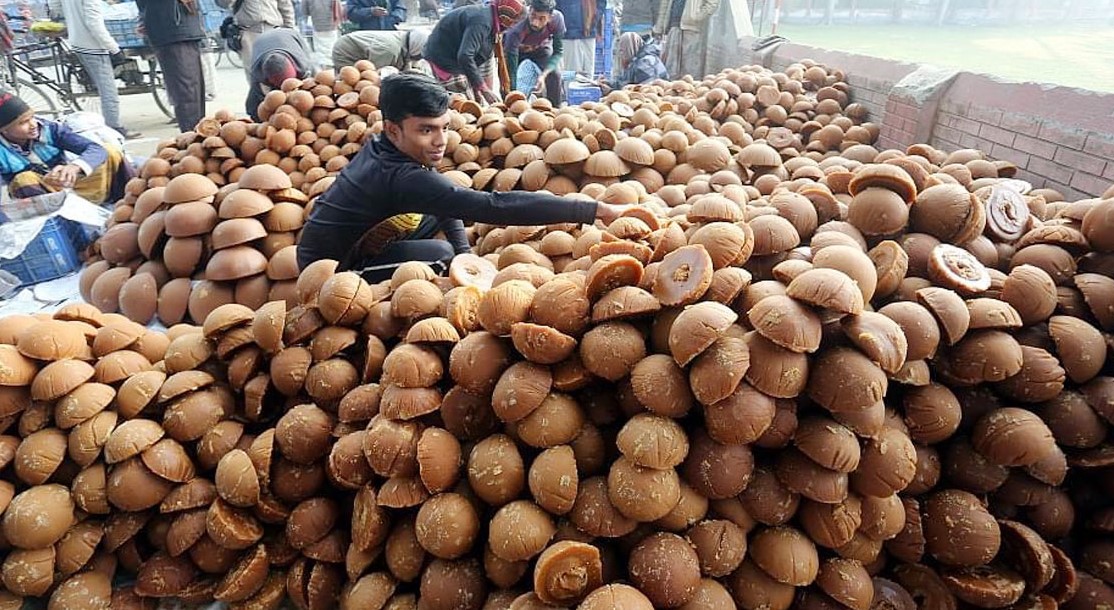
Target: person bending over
(278, 54)
(389, 204)
(33, 157)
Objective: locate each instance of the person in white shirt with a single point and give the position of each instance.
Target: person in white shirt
(98, 52)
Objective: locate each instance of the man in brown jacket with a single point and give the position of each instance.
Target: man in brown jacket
(684, 23)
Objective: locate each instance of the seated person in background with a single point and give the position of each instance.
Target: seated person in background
(401, 49)
(389, 204)
(639, 62)
(534, 47)
(277, 55)
(33, 157)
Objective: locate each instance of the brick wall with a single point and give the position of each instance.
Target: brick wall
(1059, 137)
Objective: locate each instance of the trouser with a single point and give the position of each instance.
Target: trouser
(580, 55)
(323, 47)
(684, 53)
(247, 42)
(420, 245)
(185, 82)
(209, 70)
(100, 70)
(458, 83)
(104, 185)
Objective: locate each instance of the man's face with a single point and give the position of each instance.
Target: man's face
(23, 130)
(420, 138)
(539, 19)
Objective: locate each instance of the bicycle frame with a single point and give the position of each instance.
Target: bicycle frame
(22, 60)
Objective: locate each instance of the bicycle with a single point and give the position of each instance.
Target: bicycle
(28, 67)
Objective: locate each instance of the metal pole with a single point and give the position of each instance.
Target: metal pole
(777, 17)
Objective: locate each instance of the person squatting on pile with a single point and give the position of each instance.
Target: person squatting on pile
(390, 204)
(33, 157)
(534, 48)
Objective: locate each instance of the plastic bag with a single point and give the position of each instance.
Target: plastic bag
(92, 126)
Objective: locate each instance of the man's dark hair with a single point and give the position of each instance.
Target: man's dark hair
(543, 6)
(277, 67)
(408, 94)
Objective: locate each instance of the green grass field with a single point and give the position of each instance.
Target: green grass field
(1071, 55)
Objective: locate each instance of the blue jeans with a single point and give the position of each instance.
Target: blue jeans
(100, 71)
(528, 74)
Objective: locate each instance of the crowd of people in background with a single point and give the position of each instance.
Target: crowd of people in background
(540, 46)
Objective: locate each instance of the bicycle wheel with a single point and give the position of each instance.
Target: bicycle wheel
(233, 58)
(84, 94)
(36, 98)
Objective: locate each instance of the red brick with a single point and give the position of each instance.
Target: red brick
(997, 134)
(1100, 145)
(983, 114)
(953, 107)
(1079, 161)
(1071, 137)
(1048, 169)
(946, 133)
(1020, 123)
(1109, 173)
(967, 126)
(1035, 147)
(945, 145)
(1006, 153)
(907, 111)
(1092, 185)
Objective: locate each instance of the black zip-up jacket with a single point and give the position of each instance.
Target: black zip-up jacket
(168, 22)
(381, 182)
(462, 41)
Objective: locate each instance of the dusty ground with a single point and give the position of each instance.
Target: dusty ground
(140, 113)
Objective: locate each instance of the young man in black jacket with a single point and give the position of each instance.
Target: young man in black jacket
(173, 28)
(388, 205)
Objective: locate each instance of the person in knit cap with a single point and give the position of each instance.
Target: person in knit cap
(40, 156)
(460, 49)
(278, 55)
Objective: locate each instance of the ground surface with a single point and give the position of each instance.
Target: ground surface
(1063, 54)
(140, 113)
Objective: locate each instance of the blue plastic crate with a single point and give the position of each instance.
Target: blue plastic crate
(123, 31)
(578, 94)
(54, 253)
(605, 47)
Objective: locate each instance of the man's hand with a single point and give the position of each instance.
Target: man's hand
(378, 11)
(541, 82)
(63, 176)
(141, 29)
(191, 6)
(608, 212)
(488, 95)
